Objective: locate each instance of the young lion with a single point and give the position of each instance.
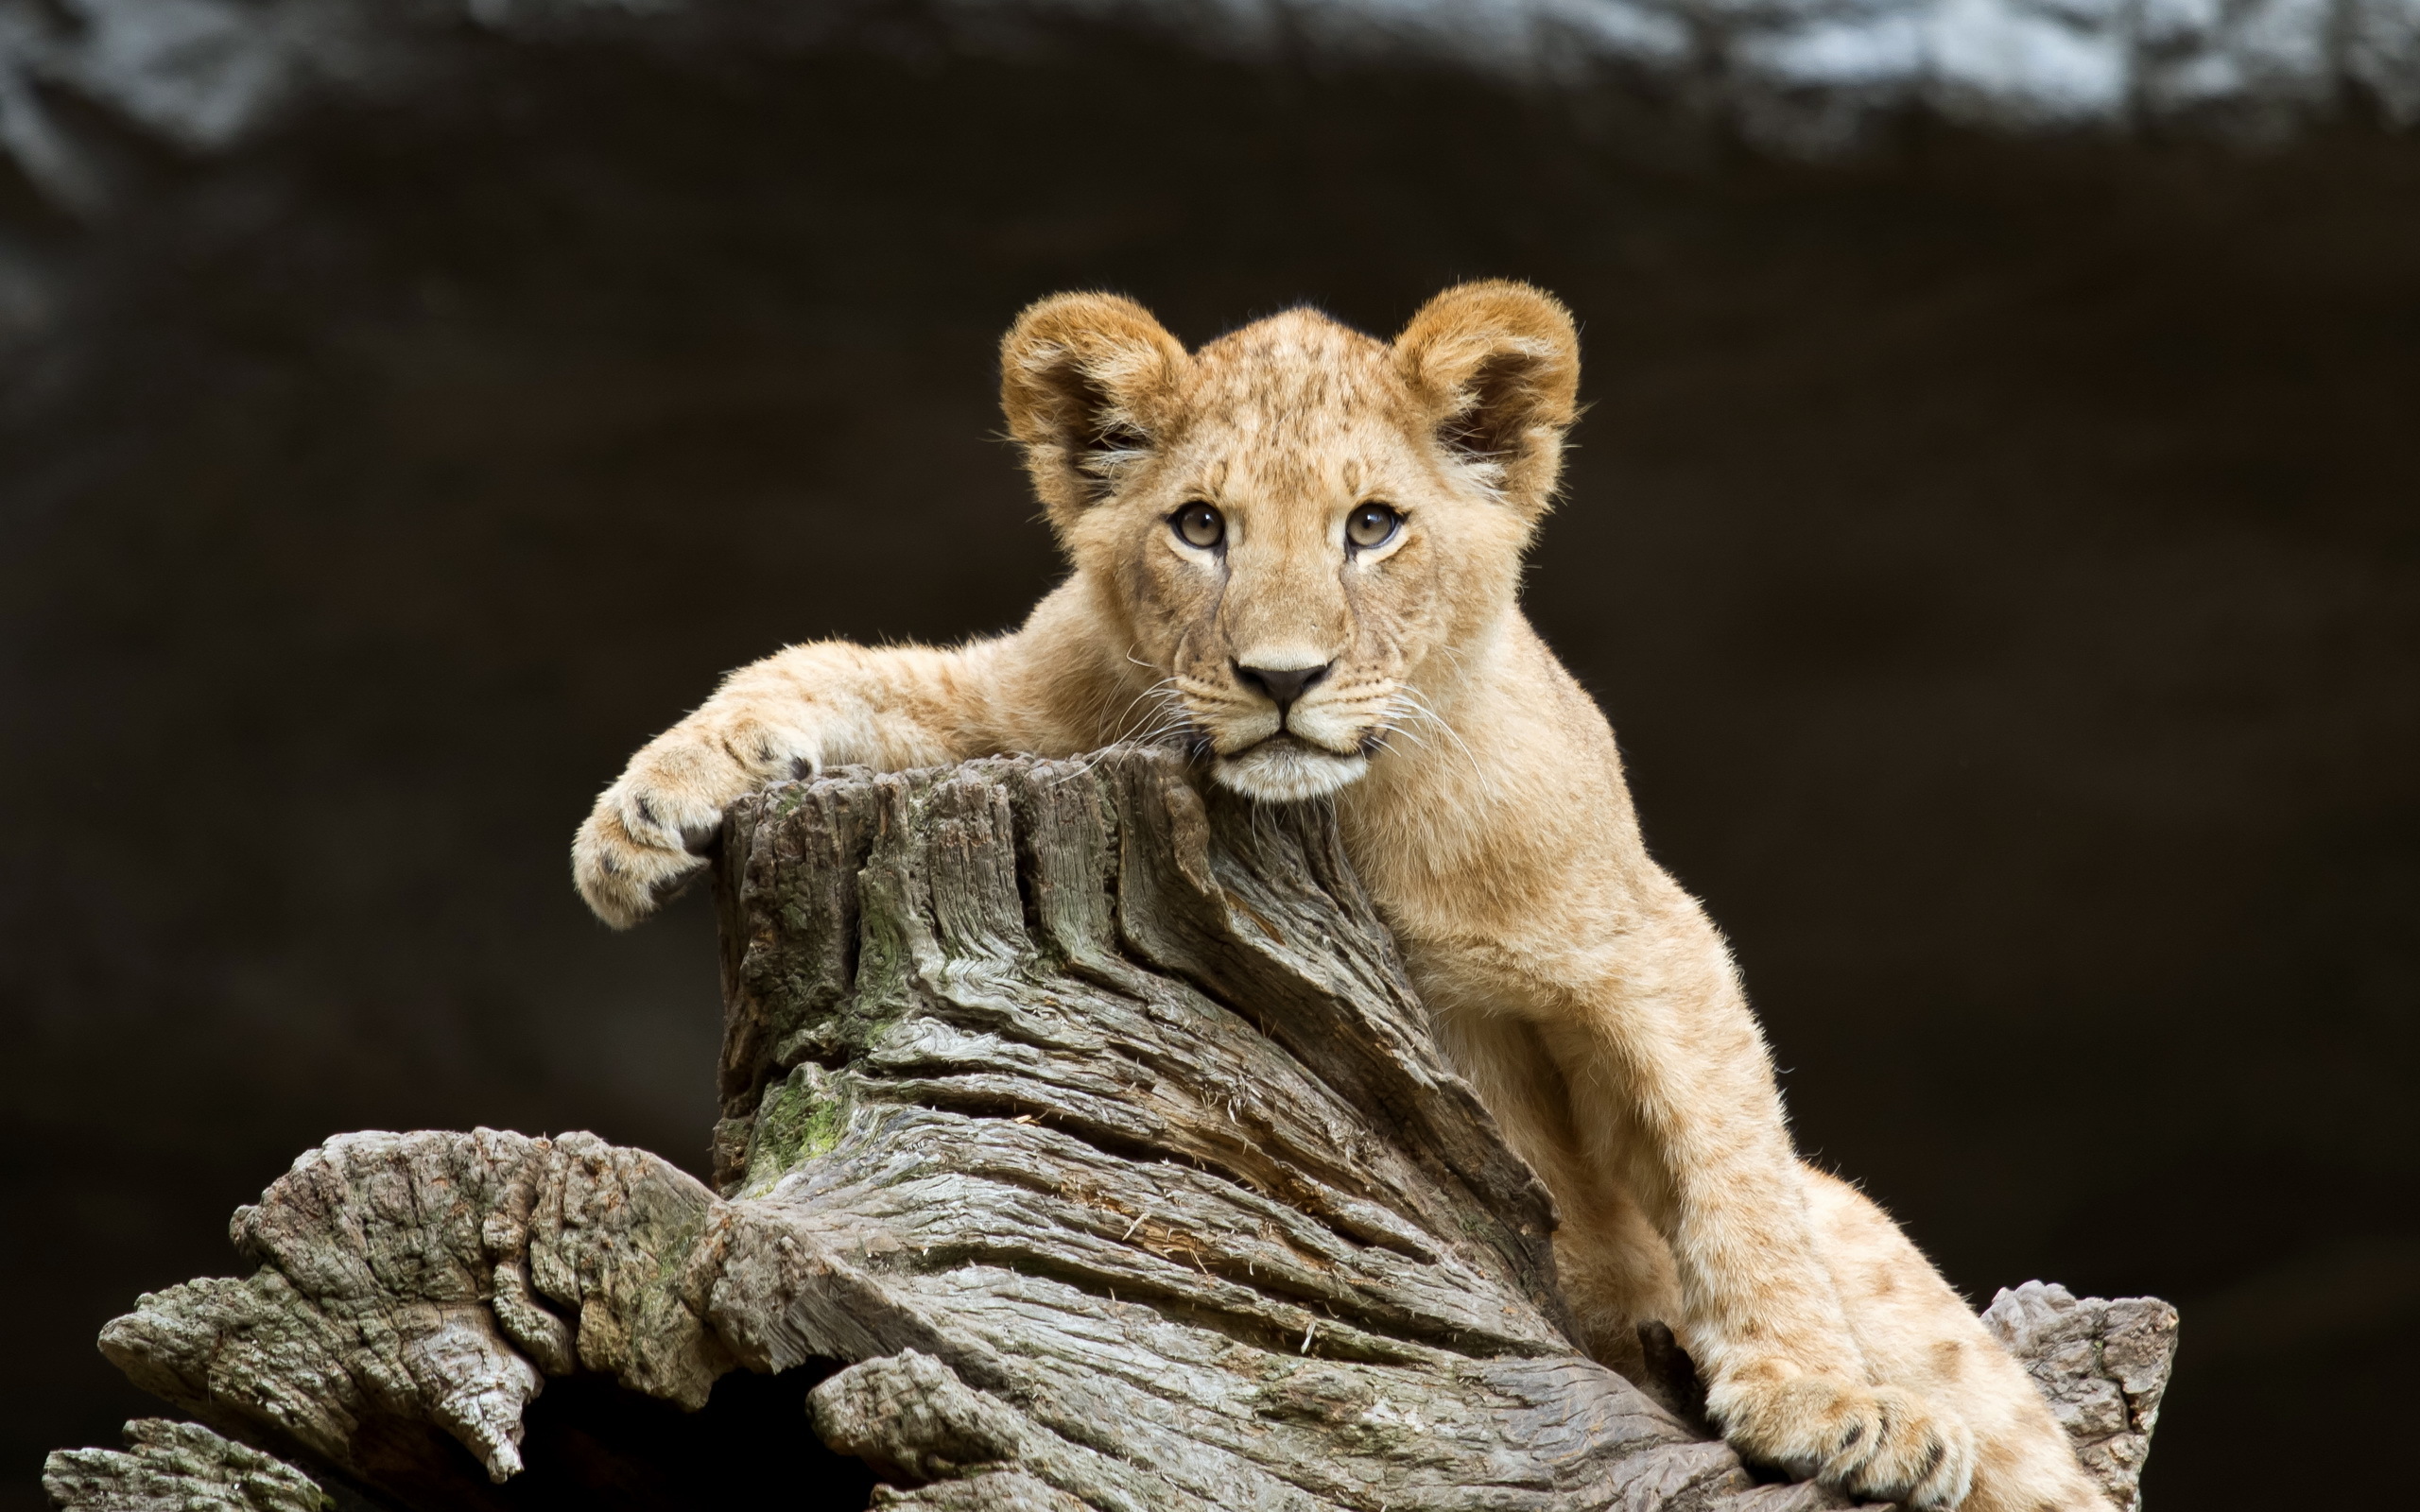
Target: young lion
(1299, 549)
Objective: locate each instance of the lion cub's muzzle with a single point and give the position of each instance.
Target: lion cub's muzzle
(1297, 747)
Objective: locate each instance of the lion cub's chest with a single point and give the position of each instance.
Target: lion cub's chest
(1474, 935)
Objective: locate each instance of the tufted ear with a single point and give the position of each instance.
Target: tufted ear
(1089, 384)
(1498, 365)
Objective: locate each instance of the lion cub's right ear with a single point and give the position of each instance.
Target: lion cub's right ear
(1089, 384)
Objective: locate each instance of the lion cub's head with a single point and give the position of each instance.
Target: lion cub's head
(1297, 528)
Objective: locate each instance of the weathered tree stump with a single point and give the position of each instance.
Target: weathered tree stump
(1084, 1147)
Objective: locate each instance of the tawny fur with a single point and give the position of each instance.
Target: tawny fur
(1586, 995)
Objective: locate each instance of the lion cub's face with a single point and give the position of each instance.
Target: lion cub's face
(1292, 551)
(1296, 525)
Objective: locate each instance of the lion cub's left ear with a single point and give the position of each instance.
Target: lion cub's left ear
(1496, 364)
(1089, 382)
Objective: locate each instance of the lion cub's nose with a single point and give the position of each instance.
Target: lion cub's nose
(1281, 686)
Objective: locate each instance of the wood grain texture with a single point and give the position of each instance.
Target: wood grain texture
(1125, 1090)
(1082, 1124)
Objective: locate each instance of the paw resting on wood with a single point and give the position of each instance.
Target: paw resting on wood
(1875, 1444)
(649, 834)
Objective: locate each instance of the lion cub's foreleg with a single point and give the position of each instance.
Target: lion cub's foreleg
(1829, 1345)
(792, 714)
(1670, 1099)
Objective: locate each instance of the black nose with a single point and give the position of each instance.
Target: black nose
(1282, 687)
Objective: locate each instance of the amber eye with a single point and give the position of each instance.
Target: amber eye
(1200, 524)
(1373, 525)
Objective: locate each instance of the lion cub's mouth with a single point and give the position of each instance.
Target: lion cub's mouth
(1285, 769)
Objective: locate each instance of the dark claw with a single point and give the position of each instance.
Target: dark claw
(1934, 1454)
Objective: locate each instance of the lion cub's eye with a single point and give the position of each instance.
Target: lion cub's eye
(1200, 524)
(1373, 525)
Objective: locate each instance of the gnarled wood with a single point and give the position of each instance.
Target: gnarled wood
(1080, 1129)
(178, 1468)
(2104, 1367)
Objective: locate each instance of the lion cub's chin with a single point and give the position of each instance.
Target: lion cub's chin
(1286, 771)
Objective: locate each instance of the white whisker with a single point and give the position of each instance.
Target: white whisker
(1412, 703)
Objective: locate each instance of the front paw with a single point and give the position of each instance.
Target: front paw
(647, 837)
(623, 876)
(1876, 1443)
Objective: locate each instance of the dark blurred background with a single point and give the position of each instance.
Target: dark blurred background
(1996, 538)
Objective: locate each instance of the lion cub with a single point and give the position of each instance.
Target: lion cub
(1299, 550)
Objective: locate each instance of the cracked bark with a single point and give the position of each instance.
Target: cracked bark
(1084, 1148)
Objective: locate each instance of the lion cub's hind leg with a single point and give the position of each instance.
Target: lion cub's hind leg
(1920, 1336)
(1618, 1274)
